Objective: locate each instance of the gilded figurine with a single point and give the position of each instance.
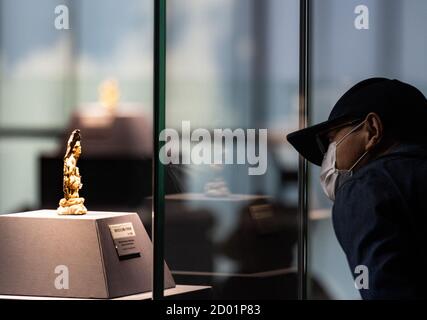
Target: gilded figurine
(72, 203)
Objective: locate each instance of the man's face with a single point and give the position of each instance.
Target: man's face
(350, 149)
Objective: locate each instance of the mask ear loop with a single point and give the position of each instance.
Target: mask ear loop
(351, 131)
(358, 160)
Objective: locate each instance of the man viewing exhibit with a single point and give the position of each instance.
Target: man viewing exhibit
(373, 156)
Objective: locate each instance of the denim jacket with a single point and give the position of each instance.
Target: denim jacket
(380, 220)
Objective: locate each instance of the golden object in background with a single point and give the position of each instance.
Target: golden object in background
(109, 94)
(72, 203)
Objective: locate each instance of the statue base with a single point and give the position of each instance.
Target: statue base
(72, 206)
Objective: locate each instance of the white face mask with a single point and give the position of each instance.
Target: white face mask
(332, 178)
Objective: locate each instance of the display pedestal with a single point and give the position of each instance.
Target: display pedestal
(180, 292)
(97, 255)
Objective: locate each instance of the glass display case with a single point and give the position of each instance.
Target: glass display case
(231, 199)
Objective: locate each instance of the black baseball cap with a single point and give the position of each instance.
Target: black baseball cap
(399, 104)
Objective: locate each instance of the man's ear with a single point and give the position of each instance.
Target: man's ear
(374, 128)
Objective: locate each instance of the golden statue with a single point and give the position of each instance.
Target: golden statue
(109, 95)
(72, 203)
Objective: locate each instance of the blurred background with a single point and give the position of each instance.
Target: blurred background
(230, 64)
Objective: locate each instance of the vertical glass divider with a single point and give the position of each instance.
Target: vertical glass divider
(159, 92)
(303, 165)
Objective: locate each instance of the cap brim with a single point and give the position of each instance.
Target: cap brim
(306, 143)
